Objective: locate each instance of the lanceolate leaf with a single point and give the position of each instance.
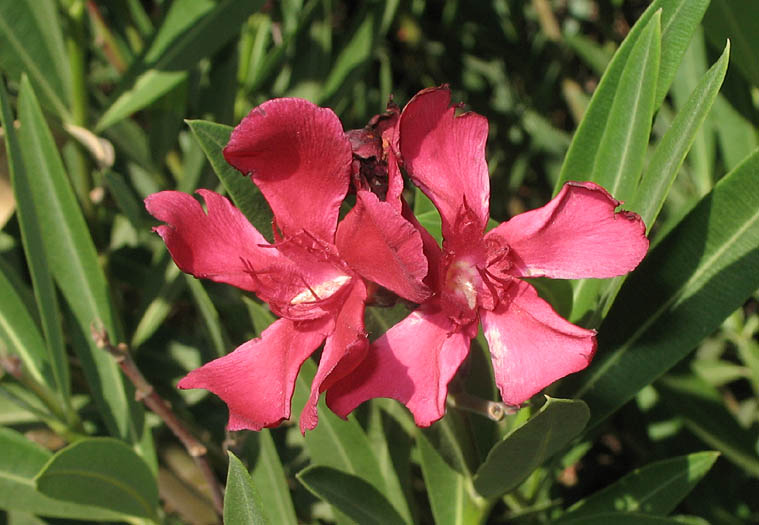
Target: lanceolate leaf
(693, 279)
(101, 472)
(734, 19)
(674, 146)
(679, 19)
(353, 496)
(654, 489)
(269, 477)
(46, 359)
(193, 29)
(512, 460)
(452, 496)
(74, 265)
(20, 461)
(701, 408)
(622, 149)
(242, 504)
(31, 43)
(246, 195)
(20, 333)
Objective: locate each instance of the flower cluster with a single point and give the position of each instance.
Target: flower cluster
(319, 273)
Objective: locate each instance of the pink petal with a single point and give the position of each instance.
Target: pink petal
(221, 245)
(378, 243)
(300, 158)
(256, 381)
(531, 345)
(445, 155)
(576, 235)
(413, 362)
(344, 349)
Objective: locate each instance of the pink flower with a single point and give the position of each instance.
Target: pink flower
(312, 276)
(476, 276)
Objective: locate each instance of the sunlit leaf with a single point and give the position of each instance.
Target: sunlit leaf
(527, 447)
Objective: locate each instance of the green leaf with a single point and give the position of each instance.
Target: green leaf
(31, 42)
(246, 195)
(337, 443)
(452, 496)
(20, 461)
(216, 332)
(736, 135)
(354, 55)
(269, 476)
(76, 268)
(622, 149)
(353, 496)
(622, 518)
(689, 283)
(104, 473)
(242, 504)
(654, 489)
(675, 144)
(45, 359)
(192, 30)
(702, 409)
(734, 19)
(679, 19)
(427, 215)
(526, 448)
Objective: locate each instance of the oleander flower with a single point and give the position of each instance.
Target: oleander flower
(314, 275)
(477, 277)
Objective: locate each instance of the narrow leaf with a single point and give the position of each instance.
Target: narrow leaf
(622, 149)
(674, 146)
(269, 477)
(691, 281)
(526, 448)
(20, 334)
(734, 19)
(427, 215)
(242, 504)
(101, 472)
(452, 496)
(654, 489)
(20, 461)
(46, 359)
(246, 195)
(76, 268)
(353, 496)
(192, 30)
(679, 19)
(702, 409)
(31, 42)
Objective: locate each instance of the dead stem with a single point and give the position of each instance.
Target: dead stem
(147, 394)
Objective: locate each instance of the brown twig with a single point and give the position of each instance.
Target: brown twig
(147, 394)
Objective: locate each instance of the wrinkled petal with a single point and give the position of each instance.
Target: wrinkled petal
(300, 158)
(220, 245)
(344, 349)
(413, 363)
(532, 346)
(445, 155)
(576, 235)
(256, 381)
(378, 243)
(316, 282)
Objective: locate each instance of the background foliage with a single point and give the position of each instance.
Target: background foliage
(104, 103)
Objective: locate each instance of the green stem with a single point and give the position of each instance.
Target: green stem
(76, 48)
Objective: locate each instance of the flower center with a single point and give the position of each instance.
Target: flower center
(464, 281)
(321, 291)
